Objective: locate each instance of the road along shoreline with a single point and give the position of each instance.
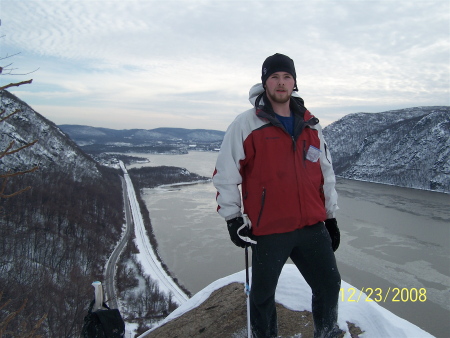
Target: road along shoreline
(149, 260)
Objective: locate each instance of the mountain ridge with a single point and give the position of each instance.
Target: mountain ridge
(86, 135)
(406, 147)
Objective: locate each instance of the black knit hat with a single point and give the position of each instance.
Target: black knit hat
(278, 63)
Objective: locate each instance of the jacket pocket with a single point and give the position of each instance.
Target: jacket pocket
(263, 201)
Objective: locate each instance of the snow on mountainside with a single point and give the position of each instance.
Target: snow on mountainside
(53, 149)
(406, 147)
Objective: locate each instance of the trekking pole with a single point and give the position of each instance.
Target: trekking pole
(247, 239)
(247, 292)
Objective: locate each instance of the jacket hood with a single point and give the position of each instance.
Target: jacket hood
(258, 89)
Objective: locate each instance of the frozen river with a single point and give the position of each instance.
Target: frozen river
(391, 238)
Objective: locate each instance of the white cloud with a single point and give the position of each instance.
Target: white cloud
(196, 60)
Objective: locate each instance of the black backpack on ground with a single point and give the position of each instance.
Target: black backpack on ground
(103, 323)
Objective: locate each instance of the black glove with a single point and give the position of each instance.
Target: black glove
(233, 227)
(333, 230)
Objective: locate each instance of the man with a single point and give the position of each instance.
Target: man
(277, 153)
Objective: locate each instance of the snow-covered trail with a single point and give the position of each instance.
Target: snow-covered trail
(150, 262)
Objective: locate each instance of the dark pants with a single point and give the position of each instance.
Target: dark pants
(310, 250)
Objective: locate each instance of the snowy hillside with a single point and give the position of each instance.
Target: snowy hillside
(54, 150)
(406, 147)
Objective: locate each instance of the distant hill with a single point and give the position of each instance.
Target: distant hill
(85, 135)
(406, 147)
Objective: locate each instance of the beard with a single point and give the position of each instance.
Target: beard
(278, 97)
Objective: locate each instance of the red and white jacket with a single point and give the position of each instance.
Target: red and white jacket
(287, 181)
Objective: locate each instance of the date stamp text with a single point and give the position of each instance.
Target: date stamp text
(387, 295)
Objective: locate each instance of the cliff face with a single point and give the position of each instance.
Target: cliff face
(54, 150)
(407, 147)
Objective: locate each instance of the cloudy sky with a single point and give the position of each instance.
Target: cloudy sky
(147, 64)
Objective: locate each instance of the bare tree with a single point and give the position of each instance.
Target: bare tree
(22, 331)
(9, 70)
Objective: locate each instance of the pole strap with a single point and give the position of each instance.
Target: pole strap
(247, 223)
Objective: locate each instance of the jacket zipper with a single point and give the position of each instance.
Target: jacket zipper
(263, 200)
(304, 153)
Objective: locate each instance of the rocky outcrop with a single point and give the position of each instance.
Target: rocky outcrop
(224, 315)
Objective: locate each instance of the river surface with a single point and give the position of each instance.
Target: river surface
(391, 237)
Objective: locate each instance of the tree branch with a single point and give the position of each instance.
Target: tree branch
(2, 195)
(4, 118)
(17, 84)
(8, 56)
(7, 152)
(10, 174)
(7, 176)
(10, 71)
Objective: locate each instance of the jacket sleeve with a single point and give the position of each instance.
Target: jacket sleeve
(227, 176)
(329, 178)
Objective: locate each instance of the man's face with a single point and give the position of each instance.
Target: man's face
(279, 87)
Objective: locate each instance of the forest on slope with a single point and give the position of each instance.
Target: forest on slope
(55, 239)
